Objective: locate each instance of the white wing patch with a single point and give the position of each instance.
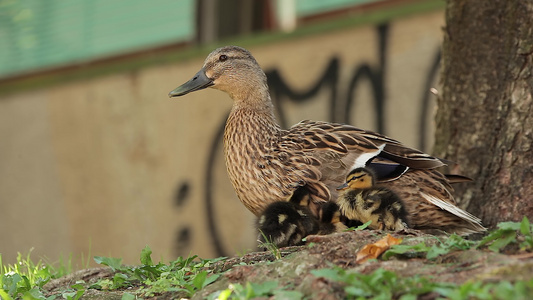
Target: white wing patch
(362, 159)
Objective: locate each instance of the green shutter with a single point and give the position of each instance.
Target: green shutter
(36, 34)
(309, 7)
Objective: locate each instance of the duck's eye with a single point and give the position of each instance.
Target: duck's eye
(223, 57)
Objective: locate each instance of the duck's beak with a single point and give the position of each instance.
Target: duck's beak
(342, 187)
(198, 82)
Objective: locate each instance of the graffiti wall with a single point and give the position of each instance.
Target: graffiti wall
(109, 165)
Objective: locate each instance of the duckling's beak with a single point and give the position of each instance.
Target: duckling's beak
(342, 187)
(198, 82)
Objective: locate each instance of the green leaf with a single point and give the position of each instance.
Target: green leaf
(79, 294)
(113, 263)
(287, 295)
(146, 258)
(223, 295)
(199, 279)
(4, 295)
(402, 249)
(458, 242)
(69, 295)
(120, 280)
(509, 225)
(249, 291)
(490, 237)
(263, 289)
(436, 251)
(33, 294)
(210, 280)
(11, 282)
(80, 290)
(77, 286)
(356, 291)
(330, 274)
(504, 240)
(445, 291)
(360, 227)
(128, 296)
(525, 227)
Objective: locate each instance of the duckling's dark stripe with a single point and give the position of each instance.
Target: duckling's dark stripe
(366, 171)
(356, 177)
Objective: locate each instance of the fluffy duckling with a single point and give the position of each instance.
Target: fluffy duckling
(331, 219)
(360, 200)
(286, 223)
(328, 213)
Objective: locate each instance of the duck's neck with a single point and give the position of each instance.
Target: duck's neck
(252, 95)
(250, 138)
(252, 122)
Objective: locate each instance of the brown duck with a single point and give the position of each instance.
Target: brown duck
(266, 163)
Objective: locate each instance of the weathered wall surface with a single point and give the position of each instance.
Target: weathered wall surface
(109, 165)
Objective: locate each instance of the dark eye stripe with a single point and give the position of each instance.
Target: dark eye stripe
(353, 177)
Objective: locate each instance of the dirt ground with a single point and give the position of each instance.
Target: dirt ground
(340, 250)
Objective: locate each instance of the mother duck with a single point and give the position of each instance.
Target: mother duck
(266, 163)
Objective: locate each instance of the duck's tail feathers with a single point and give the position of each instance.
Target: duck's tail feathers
(474, 223)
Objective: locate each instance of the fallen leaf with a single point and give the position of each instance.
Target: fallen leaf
(374, 250)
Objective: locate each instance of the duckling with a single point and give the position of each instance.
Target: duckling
(286, 223)
(266, 163)
(361, 200)
(328, 213)
(331, 219)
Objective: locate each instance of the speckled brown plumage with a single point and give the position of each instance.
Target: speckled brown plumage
(266, 163)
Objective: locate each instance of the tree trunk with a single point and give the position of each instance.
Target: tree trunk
(485, 114)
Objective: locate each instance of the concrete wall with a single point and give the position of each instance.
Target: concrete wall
(108, 165)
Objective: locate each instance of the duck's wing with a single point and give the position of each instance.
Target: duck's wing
(340, 148)
(366, 144)
(409, 172)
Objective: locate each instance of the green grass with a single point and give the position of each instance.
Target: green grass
(251, 290)
(380, 284)
(25, 279)
(270, 246)
(185, 276)
(443, 246)
(507, 233)
(383, 284)
(360, 227)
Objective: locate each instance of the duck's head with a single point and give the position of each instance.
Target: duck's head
(359, 178)
(230, 69)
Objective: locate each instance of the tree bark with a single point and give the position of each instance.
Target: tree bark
(485, 115)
